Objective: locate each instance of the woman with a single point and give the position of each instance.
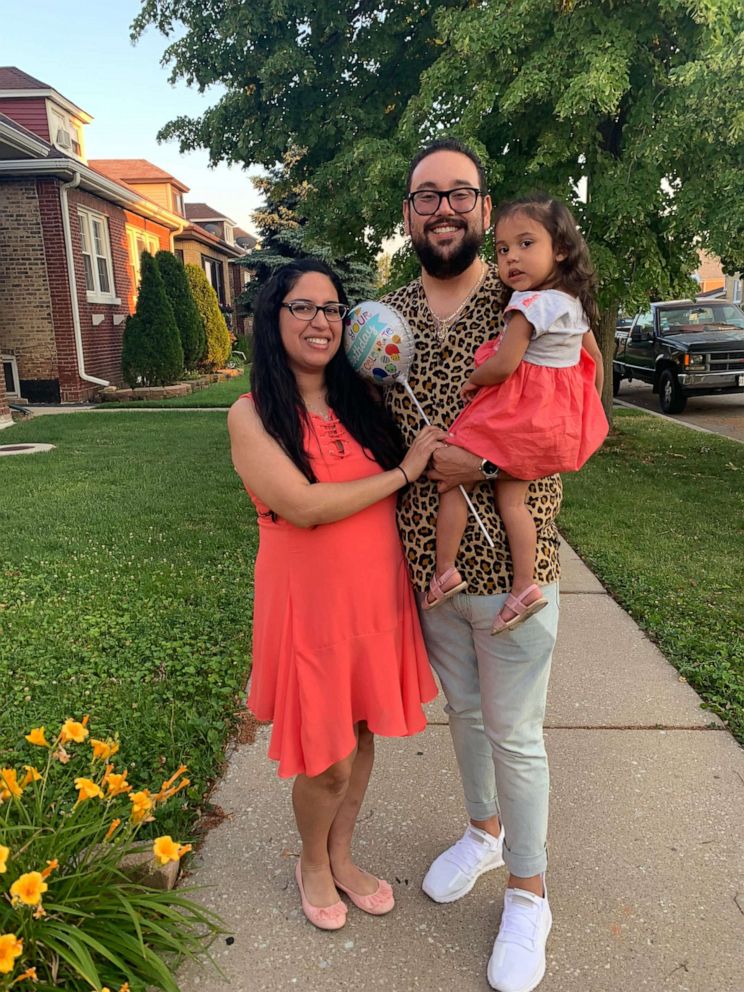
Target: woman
(337, 650)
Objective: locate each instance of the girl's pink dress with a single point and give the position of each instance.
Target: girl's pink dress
(543, 419)
(336, 636)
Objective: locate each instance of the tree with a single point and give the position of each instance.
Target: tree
(283, 237)
(151, 350)
(215, 328)
(631, 112)
(188, 320)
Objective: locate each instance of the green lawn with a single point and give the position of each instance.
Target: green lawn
(220, 394)
(125, 589)
(658, 514)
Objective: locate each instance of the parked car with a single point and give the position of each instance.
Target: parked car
(683, 348)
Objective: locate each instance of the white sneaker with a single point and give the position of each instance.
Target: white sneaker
(517, 963)
(454, 873)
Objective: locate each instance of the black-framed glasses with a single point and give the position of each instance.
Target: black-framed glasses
(462, 199)
(305, 310)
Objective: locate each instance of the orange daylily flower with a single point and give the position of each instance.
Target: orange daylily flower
(166, 849)
(87, 789)
(28, 973)
(37, 737)
(11, 947)
(116, 784)
(32, 775)
(141, 804)
(114, 825)
(73, 731)
(51, 866)
(103, 750)
(9, 784)
(28, 889)
(4, 855)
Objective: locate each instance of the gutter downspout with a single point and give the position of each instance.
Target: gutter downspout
(73, 184)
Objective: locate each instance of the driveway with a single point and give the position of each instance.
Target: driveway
(720, 414)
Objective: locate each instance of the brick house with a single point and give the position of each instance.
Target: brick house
(714, 282)
(215, 242)
(69, 240)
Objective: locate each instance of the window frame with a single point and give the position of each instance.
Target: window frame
(87, 218)
(133, 234)
(219, 268)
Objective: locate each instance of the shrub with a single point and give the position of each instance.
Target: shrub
(69, 916)
(244, 344)
(151, 353)
(218, 336)
(188, 319)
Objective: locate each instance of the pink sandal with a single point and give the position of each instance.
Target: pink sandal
(377, 903)
(437, 590)
(522, 610)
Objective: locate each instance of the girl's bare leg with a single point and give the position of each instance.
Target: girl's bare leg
(342, 828)
(452, 519)
(520, 530)
(316, 802)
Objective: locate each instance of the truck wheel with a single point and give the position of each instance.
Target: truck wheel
(671, 397)
(616, 380)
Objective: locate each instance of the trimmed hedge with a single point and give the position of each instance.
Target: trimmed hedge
(188, 319)
(218, 336)
(152, 354)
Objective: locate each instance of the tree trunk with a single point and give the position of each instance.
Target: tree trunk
(606, 341)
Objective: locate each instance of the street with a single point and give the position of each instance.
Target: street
(721, 414)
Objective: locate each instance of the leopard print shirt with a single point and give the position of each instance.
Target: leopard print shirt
(436, 377)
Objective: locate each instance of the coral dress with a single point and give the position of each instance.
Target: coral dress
(547, 417)
(336, 636)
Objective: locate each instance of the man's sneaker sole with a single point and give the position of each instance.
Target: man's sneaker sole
(459, 893)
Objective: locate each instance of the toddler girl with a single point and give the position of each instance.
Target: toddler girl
(541, 412)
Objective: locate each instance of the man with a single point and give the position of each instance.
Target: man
(495, 686)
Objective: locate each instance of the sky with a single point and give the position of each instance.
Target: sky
(82, 50)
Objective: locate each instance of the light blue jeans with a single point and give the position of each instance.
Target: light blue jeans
(496, 687)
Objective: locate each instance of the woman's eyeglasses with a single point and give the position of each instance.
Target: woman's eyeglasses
(304, 310)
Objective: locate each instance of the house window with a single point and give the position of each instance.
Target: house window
(95, 245)
(215, 273)
(139, 241)
(178, 202)
(10, 375)
(737, 291)
(179, 253)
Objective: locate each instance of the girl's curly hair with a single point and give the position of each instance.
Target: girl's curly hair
(575, 273)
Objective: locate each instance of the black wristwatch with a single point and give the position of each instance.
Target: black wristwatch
(488, 470)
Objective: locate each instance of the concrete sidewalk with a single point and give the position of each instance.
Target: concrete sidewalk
(646, 843)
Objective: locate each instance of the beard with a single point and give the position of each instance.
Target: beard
(441, 265)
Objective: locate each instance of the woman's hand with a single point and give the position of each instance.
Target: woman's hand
(428, 440)
(468, 391)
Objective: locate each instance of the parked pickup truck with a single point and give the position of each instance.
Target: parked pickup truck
(683, 348)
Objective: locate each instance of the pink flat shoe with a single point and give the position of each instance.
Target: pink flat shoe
(378, 903)
(324, 917)
(521, 609)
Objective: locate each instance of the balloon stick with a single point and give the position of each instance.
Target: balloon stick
(476, 516)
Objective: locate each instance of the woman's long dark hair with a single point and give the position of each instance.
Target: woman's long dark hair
(576, 272)
(275, 391)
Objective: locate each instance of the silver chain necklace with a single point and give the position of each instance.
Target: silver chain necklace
(443, 325)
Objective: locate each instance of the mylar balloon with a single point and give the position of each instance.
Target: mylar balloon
(379, 342)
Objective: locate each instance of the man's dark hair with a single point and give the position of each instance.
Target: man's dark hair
(447, 145)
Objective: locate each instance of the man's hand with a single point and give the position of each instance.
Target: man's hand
(453, 467)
